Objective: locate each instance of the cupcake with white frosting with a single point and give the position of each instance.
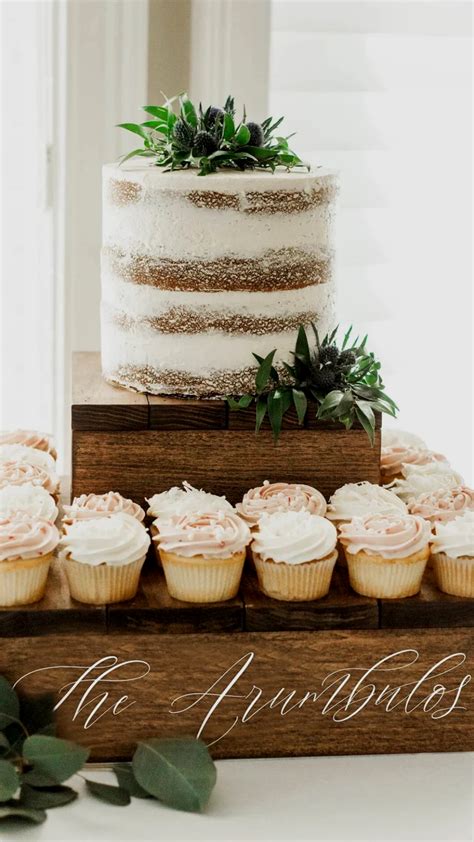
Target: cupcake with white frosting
(274, 497)
(294, 554)
(443, 505)
(386, 554)
(400, 438)
(453, 555)
(90, 506)
(356, 499)
(30, 438)
(27, 546)
(29, 455)
(423, 479)
(393, 457)
(186, 500)
(103, 557)
(32, 500)
(24, 473)
(203, 554)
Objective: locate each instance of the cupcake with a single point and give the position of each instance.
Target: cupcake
(181, 501)
(29, 455)
(30, 438)
(23, 473)
(203, 554)
(453, 555)
(27, 545)
(386, 554)
(394, 457)
(89, 506)
(294, 555)
(423, 479)
(400, 438)
(103, 557)
(356, 499)
(443, 505)
(32, 500)
(274, 497)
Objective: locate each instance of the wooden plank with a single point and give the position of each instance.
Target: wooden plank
(186, 414)
(97, 405)
(154, 611)
(431, 608)
(55, 614)
(141, 463)
(244, 419)
(340, 609)
(288, 693)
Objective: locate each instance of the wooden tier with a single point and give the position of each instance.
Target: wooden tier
(139, 445)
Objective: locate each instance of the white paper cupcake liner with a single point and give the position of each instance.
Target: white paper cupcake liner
(23, 581)
(386, 578)
(102, 583)
(295, 582)
(200, 579)
(454, 575)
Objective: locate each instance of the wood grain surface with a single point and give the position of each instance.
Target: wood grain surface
(285, 666)
(97, 405)
(429, 608)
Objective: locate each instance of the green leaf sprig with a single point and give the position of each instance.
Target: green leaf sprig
(342, 384)
(34, 766)
(209, 139)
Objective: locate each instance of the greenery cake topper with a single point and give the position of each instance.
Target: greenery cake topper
(210, 139)
(339, 383)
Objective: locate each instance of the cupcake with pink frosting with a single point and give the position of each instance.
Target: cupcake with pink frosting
(30, 438)
(294, 554)
(394, 457)
(274, 497)
(27, 546)
(453, 555)
(24, 473)
(443, 505)
(386, 554)
(203, 554)
(90, 506)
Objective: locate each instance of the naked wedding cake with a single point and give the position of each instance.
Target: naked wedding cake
(199, 273)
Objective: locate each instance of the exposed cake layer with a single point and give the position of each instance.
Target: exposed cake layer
(200, 273)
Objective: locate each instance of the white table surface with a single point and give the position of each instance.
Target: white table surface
(396, 797)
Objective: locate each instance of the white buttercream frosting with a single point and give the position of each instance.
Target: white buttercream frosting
(30, 455)
(30, 438)
(24, 473)
(392, 437)
(280, 497)
(423, 479)
(116, 539)
(443, 505)
(180, 501)
(388, 536)
(217, 534)
(89, 506)
(294, 537)
(23, 537)
(455, 538)
(356, 499)
(33, 500)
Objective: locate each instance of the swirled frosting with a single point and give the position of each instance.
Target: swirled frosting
(393, 457)
(389, 536)
(210, 534)
(455, 538)
(357, 499)
(280, 497)
(22, 473)
(443, 505)
(89, 506)
(180, 501)
(22, 536)
(294, 537)
(115, 540)
(22, 453)
(33, 500)
(423, 479)
(401, 438)
(30, 438)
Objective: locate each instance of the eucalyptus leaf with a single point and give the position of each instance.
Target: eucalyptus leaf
(264, 370)
(14, 809)
(156, 111)
(51, 756)
(46, 799)
(242, 136)
(301, 403)
(178, 772)
(365, 422)
(275, 411)
(9, 704)
(4, 744)
(260, 412)
(188, 111)
(302, 346)
(126, 780)
(9, 780)
(135, 128)
(116, 795)
(228, 127)
(331, 400)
